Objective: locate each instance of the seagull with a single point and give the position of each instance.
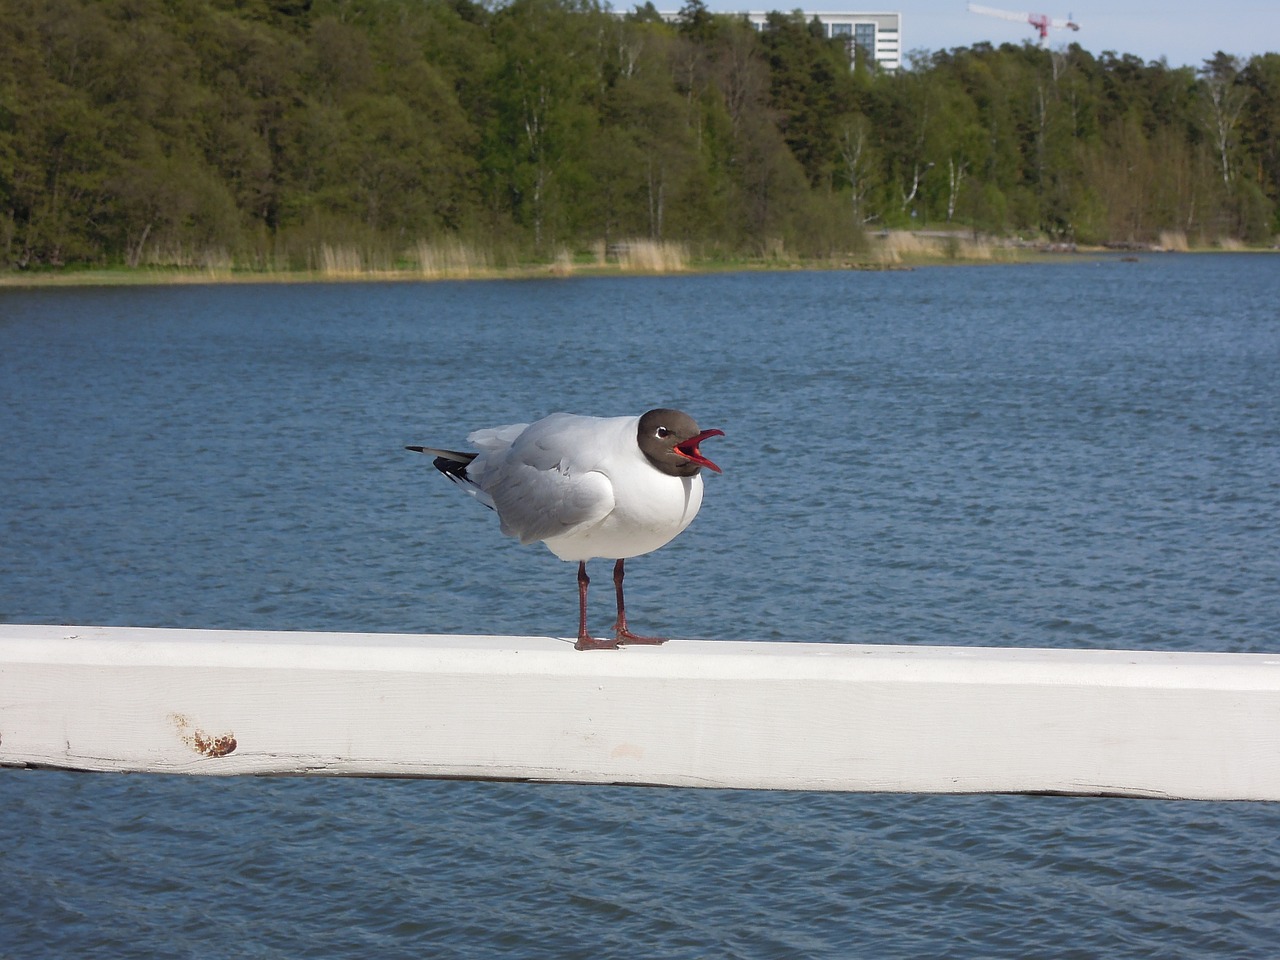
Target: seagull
(588, 487)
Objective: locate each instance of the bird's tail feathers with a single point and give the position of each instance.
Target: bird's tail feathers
(453, 456)
(453, 464)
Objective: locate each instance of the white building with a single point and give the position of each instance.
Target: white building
(879, 34)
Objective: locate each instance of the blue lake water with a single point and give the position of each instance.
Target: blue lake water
(1077, 454)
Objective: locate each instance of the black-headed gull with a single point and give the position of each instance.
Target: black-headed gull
(588, 487)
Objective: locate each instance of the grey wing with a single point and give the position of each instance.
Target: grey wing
(496, 439)
(536, 503)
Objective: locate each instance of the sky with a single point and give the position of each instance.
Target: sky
(1184, 32)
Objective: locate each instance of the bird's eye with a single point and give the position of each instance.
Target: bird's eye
(662, 433)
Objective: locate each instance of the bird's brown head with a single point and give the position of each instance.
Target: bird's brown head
(670, 438)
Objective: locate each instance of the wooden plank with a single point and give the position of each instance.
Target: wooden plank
(803, 716)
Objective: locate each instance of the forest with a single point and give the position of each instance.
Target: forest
(266, 133)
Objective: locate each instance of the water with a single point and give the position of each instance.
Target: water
(1072, 455)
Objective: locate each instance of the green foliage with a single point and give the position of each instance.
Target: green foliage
(274, 132)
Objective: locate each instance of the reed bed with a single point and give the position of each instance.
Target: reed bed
(186, 258)
(452, 258)
(651, 256)
(340, 261)
(563, 264)
(897, 246)
(200, 263)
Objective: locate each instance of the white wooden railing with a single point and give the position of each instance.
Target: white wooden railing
(793, 716)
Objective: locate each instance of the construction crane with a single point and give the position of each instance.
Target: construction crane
(1041, 21)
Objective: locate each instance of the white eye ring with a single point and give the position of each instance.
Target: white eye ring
(662, 433)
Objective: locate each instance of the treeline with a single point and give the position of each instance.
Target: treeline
(261, 131)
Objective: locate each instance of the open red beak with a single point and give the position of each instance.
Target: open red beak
(689, 449)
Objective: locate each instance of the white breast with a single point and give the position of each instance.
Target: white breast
(582, 486)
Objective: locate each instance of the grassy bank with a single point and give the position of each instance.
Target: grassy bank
(454, 260)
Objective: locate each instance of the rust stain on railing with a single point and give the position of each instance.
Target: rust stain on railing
(201, 742)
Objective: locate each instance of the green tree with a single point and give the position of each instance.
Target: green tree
(649, 150)
(859, 166)
(1222, 105)
(160, 131)
(811, 87)
(1260, 129)
(545, 89)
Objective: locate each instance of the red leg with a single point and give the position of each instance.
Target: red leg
(620, 628)
(585, 640)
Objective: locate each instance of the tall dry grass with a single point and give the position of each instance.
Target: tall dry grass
(172, 254)
(895, 246)
(348, 261)
(451, 257)
(651, 256)
(340, 261)
(1174, 240)
(563, 265)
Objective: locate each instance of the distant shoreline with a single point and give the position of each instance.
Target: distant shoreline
(967, 254)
